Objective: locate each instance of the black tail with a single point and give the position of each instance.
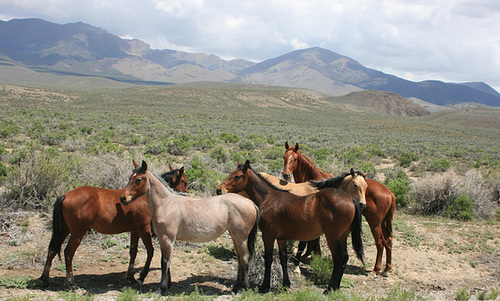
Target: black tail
(58, 227)
(253, 234)
(356, 233)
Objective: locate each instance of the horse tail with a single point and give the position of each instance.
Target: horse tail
(58, 227)
(356, 232)
(253, 234)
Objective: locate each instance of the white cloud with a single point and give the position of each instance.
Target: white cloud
(452, 40)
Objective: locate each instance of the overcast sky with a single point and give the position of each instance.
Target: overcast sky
(448, 40)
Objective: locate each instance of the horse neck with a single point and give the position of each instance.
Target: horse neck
(157, 194)
(257, 189)
(306, 171)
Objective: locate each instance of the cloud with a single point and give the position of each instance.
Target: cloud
(452, 40)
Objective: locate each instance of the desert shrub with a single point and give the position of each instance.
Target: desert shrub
(201, 177)
(35, 181)
(8, 128)
(3, 172)
(228, 137)
(440, 165)
(461, 208)
(219, 154)
(323, 268)
(376, 150)
(352, 155)
(398, 182)
(274, 152)
(450, 194)
(406, 157)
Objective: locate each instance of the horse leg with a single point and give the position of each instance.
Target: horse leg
(387, 231)
(340, 256)
(300, 249)
(268, 260)
(134, 239)
(148, 243)
(243, 256)
(69, 252)
(52, 252)
(283, 261)
(166, 250)
(313, 246)
(379, 243)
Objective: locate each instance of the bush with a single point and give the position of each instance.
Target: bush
(399, 183)
(461, 208)
(3, 171)
(456, 196)
(406, 157)
(219, 154)
(440, 165)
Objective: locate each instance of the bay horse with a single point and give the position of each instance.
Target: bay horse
(380, 203)
(287, 216)
(176, 179)
(87, 207)
(352, 183)
(179, 217)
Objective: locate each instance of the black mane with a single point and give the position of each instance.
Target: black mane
(330, 183)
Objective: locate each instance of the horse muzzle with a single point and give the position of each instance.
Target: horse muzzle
(287, 176)
(220, 191)
(125, 200)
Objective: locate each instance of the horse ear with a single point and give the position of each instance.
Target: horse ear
(181, 171)
(170, 166)
(365, 174)
(296, 147)
(286, 145)
(135, 163)
(353, 173)
(144, 167)
(247, 166)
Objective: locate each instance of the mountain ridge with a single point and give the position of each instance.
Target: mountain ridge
(79, 48)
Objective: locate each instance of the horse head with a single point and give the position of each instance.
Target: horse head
(355, 185)
(176, 179)
(290, 164)
(136, 184)
(236, 181)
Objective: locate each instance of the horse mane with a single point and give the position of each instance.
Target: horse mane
(169, 174)
(170, 189)
(330, 183)
(264, 179)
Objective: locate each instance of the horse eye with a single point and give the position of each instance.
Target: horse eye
(138, 181)
(237, 177)
(355, 185)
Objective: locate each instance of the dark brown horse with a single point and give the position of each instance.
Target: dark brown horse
(380, 202)
(176, 179)
(88, 207)
(287, 216)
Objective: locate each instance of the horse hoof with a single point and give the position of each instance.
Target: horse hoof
(263, 290)
(384, 274)
(45, 282)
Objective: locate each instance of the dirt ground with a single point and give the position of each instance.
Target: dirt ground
(432, 256)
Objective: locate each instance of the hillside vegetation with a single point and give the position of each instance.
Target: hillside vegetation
(53, 140)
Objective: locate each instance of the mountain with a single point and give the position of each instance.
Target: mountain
(81, 49)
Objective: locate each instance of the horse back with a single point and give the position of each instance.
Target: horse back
(101, 209)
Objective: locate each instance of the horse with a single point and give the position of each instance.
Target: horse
(86, 207)
(176, 179)
(352, 183)
(179, 217)
(287, 216)
(380, 203)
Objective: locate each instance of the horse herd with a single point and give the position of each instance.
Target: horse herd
(317, 203)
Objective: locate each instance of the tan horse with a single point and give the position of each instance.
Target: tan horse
(179, 217)
(287, 216)
(380, 202)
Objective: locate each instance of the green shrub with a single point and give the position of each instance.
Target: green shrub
(219, 154)
(406, 157)
(228, 137)
(461, 208)
(399, 183)
(462, 294)
(3, 171)
(440, 165)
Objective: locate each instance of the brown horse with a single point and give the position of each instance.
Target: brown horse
(380, 202)
(176, 179)
(88, 207)
(179, 217)
(287, 216)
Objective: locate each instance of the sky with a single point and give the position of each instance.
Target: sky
(447, 40)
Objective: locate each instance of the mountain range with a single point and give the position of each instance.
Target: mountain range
(81, 49)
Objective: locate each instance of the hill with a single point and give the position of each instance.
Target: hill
(81, 49)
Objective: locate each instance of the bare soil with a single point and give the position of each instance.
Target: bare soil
(434, 257)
